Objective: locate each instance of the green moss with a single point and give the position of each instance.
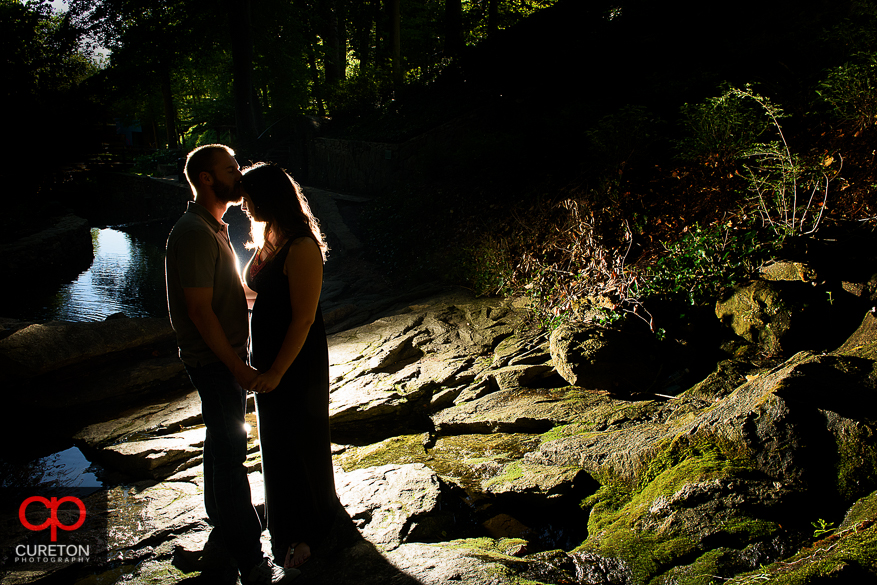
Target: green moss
(848, 557)
(862, 511)
(857, 462)
(565, 431)
(487, 548)
(682, 448)
(750, 529)
(397, 450)
(512, 472)
(703, 571)
(159, 573)
(618, 508)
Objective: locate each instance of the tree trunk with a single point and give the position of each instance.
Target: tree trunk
(317, 90)
(453, 27)
(242, 71)
(492, 17)
(396, 19)
(170, 112)
(333, 61)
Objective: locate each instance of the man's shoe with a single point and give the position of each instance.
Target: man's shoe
(267, 573)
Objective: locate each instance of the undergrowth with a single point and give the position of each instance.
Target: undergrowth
(647, 218)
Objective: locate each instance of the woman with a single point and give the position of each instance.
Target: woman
(288, 347)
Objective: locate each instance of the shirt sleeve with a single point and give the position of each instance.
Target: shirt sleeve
(196, 256)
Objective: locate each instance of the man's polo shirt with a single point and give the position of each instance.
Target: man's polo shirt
(199, 254)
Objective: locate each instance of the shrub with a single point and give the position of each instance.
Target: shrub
(851, 90)
(616, 138)
(148, 164)
(788, 189)
(704, 262)
(720, 128)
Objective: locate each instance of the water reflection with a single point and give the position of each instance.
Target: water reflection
(100, 291)
(61, 471)
(127, 276)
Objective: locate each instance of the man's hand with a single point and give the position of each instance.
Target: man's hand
(267, 382)
(246, 377)
(199, 305)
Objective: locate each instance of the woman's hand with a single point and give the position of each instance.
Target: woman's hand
(267, 381)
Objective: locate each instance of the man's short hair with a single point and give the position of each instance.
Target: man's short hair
(202, 159)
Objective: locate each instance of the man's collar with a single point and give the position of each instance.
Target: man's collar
(203, 213)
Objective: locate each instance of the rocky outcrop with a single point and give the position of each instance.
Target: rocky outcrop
(74, 374)
(60, 250)
(760, 314)
(462, 455)
(596, 357)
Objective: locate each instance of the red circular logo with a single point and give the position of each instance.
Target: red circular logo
(52, 522)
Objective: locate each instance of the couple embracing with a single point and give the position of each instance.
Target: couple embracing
(286, 362)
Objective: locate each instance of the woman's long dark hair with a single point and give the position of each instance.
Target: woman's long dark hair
(280, 205)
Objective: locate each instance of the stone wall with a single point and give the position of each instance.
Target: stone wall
(120, 198)
(370, 168)
(63, 247)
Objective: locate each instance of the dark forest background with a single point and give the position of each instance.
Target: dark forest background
(616, 155)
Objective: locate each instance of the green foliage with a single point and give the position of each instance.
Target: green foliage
(365, 90)
(199, 135)
(822, 528)
(721, 128)
(857, 31)
(851, 90)
(148, 164)
(614, 139)
(41, 53)
(704, 262)
(788, 189)
(487, 266)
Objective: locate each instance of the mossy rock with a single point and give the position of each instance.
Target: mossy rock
(399, 450)
(846, 557)
(676, 511)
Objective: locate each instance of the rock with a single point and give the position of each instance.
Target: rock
(594, 357)
(398, 450)
(505, 526)
(545, 481)
(783, 270)
(457, 427)
(60, 251)
(42, 348)
(758, 313)
(863, 341)
(388, 376)
(390, 504)
(473, 562)
(76, 374)
(148, 420)
(513, 411)
(157, 458)
(792, 418)
(620, 452)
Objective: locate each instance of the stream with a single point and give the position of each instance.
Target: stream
(126, 276)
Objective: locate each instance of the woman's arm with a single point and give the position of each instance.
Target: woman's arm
(304, 268)
(251, 294)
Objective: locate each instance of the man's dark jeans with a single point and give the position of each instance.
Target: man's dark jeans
(226, 488)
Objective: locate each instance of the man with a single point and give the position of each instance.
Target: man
(208, 310)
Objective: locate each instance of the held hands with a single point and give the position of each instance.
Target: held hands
(266, 382)
(246, 376)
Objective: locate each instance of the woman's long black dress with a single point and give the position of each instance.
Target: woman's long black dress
(300, 499)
